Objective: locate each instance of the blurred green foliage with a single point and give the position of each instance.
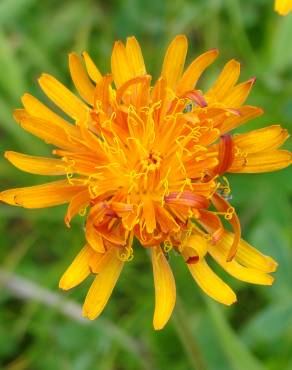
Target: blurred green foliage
(256, 333)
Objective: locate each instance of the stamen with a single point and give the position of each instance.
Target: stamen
(127, 255)
(224, 188)
(229, 213)
(167, 246)
(69, 169)
(82, 211)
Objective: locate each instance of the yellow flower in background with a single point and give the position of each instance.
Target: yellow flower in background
(146, 161)
(283, 7)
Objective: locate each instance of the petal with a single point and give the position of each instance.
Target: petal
(226, 80)
(194, 71)
(94, 238)
(149, 214)
(262, 162)
(165, 292)
(212, 224)
(81, 81)
(37, 109)
(195, 243)
(77, 203)
(78, 270)
(99, 261)
(238, 94)
(247, 255)
(246, 113)
(36, 165)
(165, 220)
(92, 69)
(247, 274)
(102, 91)
(135, 57)
(222, 205)
(211, 284)
(102, 286)
(225, 154)
(186, 198)
(50, 132)
(63, 97)
(41, 196)
(174, 60)
(264, 139)
(120, 67)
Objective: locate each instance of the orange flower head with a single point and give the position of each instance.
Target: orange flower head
(147, 161)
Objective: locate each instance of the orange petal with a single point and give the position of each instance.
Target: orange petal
(247, 274)
(174, 60)
(135, 57)
(78, 270)
(92, 69)
(80, 78)
(63, 97)
(99, 261)
(50, 132)
(41, 196)
(225, 154)
(94, 238)
(195, 245)
(165, 220)
(246, 113)
(102, 286)
(149, 214)
(36, 165)
(264, 139)
(238, 94)
(194, 71)
(165, 293)
(223, 206)
(77, 203)
(262, 162)
(212, 224)
(211, 284)
(37, 109)
(226, 80)
(247, 255)
(120, 66)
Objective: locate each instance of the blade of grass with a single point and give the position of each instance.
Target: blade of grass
(237, 353)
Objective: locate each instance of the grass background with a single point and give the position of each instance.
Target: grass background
(39, 329)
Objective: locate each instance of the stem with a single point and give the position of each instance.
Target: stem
(186, 337)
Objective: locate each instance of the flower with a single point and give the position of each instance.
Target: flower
(148, 163)
(283, 7)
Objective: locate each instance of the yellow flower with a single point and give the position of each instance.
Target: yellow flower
(148, 163)
(283, 7)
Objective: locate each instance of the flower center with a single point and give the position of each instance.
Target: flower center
(153, 161)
